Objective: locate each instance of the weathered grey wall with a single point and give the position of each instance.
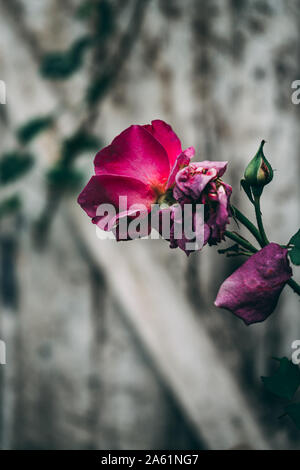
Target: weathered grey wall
(79, 374)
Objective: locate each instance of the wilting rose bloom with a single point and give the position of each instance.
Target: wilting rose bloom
(200, 183)
(252, 291)
(141, 163)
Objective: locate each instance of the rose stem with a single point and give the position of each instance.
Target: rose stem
(294, 285)
(264, 238)
(240, 241)
(248, 224)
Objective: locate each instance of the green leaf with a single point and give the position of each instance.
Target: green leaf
(13, 165)
(32, 128)
(286, 380)
(61, 65)
(65, 178)
(84, 10)
(98, 88)
(294, 253)
(78, 143)
(102, 14)
(247, 188)
(10, 205)
(293, 411)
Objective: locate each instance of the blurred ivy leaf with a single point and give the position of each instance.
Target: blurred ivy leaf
(10, 205)
(286, 380)
(65, 178)
(78, 143)
(98, 88)
(60, 65)
(32, 128)
(102, 13)
(293, 411)
(84, 10)
(13, 165)
(294, 253)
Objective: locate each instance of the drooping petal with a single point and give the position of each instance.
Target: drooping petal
(219, 217)
(135, 153)
(252, 291)
(106, 189)
(178, 235)
(165, 135)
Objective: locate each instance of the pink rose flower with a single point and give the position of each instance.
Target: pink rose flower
(141, 163)
(252, 291)
(200, 183)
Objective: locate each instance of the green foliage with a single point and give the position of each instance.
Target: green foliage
(65, 178)
(13, 165)
(102, 13)
(285, 383)
(85, 10)
(78, 143)
(98, 88)
(230, 249)
(105, 19)
(286, 380)
(247, 188)
(35, 126)
(61, 65)
(293, 411)
(10, 205)
(295, 251)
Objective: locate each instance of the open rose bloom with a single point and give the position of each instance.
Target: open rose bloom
(145, 165)
(144, 180)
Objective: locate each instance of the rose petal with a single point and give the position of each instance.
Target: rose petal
(219, 166)
(181, 161)
(165, 135)
(252, 291)
(191, 184)
(135, 153)
(106, 189)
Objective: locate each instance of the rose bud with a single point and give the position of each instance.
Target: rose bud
(259, 171)
(252, 291)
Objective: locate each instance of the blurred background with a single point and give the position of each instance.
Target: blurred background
(119, 346)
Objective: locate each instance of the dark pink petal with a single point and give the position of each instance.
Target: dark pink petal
(176, 216)
(167, 138)
(135, 153)
(252, 291)
(190, 182)
(144, 231)
(219, 166)
(181, 161)
(219, 218)
(106, 189)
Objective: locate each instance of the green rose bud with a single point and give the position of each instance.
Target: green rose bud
(259, 171)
